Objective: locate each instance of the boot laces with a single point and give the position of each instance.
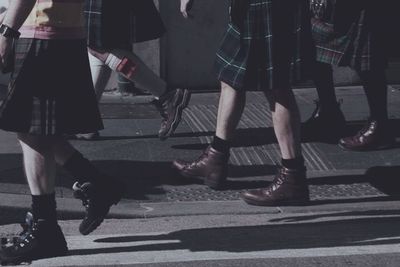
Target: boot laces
(200, 158)
(23, 238)
(276, 183)
(82, 194)
(366, 129)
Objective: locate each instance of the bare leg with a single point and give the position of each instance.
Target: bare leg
(141, 74)
(62, 150)
(230, 110)
(286, 119)
(212, 165)
(290, 184)
(170, 103)
(100, 75)
(39, 163)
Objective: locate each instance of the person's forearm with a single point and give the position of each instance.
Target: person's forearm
(17, 13)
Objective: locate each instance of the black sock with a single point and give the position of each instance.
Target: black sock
(323, 79)
(375, 87)
(293, 164)
(44, 207)
(82, 169)
(221, 145)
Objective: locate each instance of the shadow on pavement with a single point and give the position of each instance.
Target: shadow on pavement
(145, 180)
(11, 215)
(266, 136)
(149, 136)
(243, 138)
(341, 232)
(236, 171)
(385, 178)
(367, 213)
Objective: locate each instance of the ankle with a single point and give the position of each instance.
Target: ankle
(221, 145)
(44, 207)
(82, 169)
(293, 164)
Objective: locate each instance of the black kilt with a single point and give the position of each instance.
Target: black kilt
(267, 45)
(50, 91)
(120, 23)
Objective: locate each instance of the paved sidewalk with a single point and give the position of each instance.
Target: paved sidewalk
(346, 188)
(129, 149)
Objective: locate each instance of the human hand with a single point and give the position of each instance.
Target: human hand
(5, 51)
(185, 7)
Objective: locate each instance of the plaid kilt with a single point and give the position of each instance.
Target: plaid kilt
(270, 48)
(349, 38)
(50, 90)
(120, 23)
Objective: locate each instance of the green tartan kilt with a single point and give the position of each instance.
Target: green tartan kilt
(120, 23)
(270, 48)
(359, 46)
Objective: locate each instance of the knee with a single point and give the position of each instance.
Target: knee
(100, 55)
(40, 144)
(281, 95)
(284, 97)
(227, 89)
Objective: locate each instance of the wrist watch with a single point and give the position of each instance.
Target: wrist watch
(9, 32)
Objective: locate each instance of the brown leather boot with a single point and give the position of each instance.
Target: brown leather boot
(288, 187)
(211, 166)
(374, 135)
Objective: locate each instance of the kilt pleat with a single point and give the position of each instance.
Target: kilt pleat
(120, 23)
(50, 90)
(348, 37)
(269, 49)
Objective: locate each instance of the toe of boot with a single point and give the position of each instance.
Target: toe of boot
(179, 164)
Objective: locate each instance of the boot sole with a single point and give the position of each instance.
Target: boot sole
(191, 177)
(373, 148)
(96, 223)
(29, 258)
(178, 115)
(289, 202)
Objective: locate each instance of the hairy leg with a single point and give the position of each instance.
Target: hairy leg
(230, 110)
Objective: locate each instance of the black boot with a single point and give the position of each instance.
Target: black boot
(97, 199)
(39, 239)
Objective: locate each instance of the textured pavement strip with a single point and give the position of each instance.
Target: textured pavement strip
(251, 160)
(203, 119)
